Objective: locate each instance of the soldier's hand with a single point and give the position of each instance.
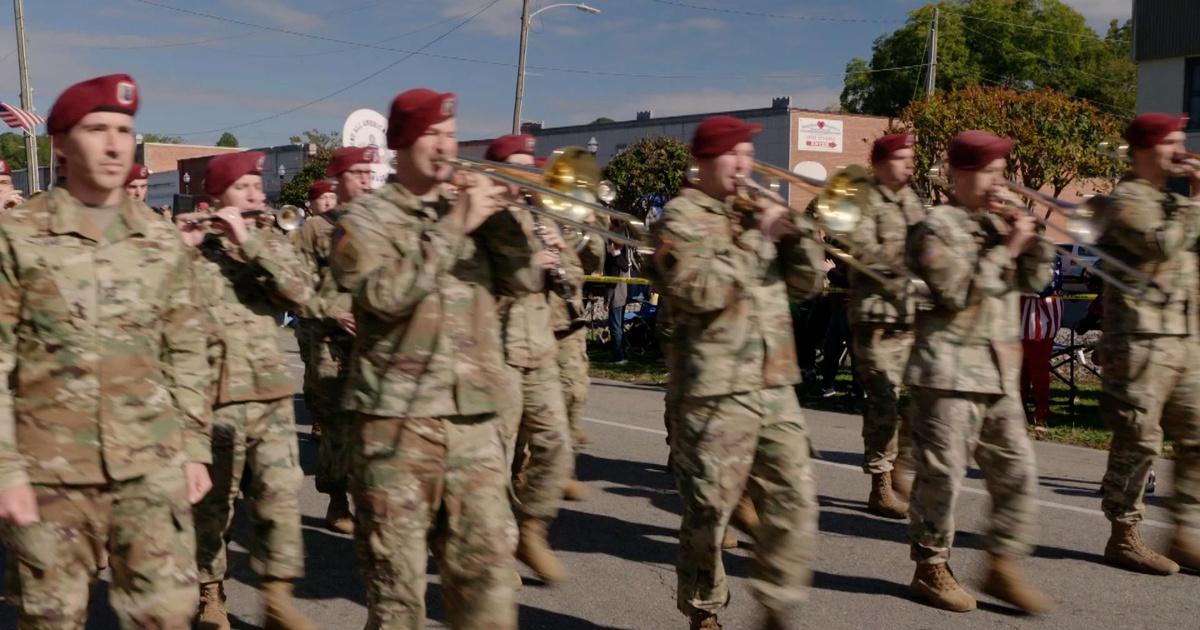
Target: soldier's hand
(1024, 232)
(18, 505)
(545, 260)
(346, 321)
(195, 475)
(774, 222)
(479, 200)
(233, 224)
(552, 237)
(192, 233)
(11, 199)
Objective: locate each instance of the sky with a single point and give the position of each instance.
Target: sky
(207, 66)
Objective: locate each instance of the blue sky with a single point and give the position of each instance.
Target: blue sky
(205, 75)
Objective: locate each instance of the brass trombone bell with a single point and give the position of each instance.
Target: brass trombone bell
(288, 217)
(839, 206)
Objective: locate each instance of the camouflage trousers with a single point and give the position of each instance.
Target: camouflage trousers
(573, 370)
(326, 365)
(254, 452)
(440, 483)
(947, 430)
(539, 440)
(1151, 386)
(754, 442)
(142, 526)
(880, 355)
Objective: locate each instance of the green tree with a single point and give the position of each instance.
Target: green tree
(1057, 136)
(603, 120)
(161, 139)
(227, 140)
(649, 168)
(1023, 44)
(12, 149)
(330, 141)
(295, 191)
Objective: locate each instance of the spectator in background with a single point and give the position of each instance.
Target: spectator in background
(1041, 317)
(837, 333)
(618, 264)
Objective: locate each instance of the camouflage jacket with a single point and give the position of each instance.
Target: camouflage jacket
(314, 244)
(101, 346)
(727, 287)
(970, 340)
(880, 236)
(583, 256)
(525, 319)
(428, 340)
(246, 289)
(1154, 231)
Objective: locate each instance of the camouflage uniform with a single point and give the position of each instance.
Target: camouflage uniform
(1150, 351)
(586, 254)
(254, 446)
(427, 381)
(537, 423)
(964, 376)
(104, 397)
(326, 353)
(739, 426)
(882, 323)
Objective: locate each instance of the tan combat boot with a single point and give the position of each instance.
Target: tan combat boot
(701, 620)
(744, 516)
(730, 541)
(1126, 550)
(212, 614)
(337, 517)
(575, 491)
(280, 608)
(1185, 549)
(935, 585)
(883, 502)
(902, 477)
(1006, 582)
(534, 551)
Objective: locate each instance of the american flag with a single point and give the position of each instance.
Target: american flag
(16, 117)
(1041, 317)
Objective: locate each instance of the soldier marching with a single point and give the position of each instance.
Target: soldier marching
(146, 390)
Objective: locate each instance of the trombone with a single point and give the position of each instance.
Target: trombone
(566, 191)
(1084, 227)
(838, 211)
(287, 217)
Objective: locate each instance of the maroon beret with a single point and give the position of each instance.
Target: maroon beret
(318, 189)
(1150, 129)
(5, 167)
(225, 169)
(885, 146)
(540, 162)
(512, 144)
(973, 150)
(346, 157)
(136, 172)
(716, 135)
(415, 111)
(111, 93)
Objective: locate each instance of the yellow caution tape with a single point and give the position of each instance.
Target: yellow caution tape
(615, 280)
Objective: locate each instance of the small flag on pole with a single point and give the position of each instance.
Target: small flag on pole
(16, 117)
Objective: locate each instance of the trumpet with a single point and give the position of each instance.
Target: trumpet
(566, 191)
(287, 217)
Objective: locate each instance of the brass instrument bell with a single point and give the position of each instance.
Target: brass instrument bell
(839, 206)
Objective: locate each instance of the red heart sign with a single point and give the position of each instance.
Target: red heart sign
(820, 124)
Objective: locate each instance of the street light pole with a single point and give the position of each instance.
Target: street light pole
(31, 146)
(516, 126)
(526, 19)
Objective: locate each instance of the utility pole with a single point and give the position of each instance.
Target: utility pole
(516, 126)
(931, 82)
(31, 161)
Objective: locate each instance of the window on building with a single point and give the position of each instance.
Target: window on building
(1191, 93)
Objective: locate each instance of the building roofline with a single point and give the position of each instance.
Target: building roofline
(684, 118)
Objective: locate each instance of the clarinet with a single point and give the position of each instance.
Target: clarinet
(558, 281)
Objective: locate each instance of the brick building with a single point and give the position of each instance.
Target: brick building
(813, 142)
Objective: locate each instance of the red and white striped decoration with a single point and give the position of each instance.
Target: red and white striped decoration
(18, 118)
(1040, 317)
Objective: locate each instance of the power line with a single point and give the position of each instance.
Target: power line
(743, 12)
(1089, 35)
(352, 85)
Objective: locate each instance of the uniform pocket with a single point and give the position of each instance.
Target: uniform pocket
(378, 435)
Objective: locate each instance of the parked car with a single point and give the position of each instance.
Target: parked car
(1072, 269)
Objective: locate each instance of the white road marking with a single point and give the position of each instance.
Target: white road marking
(968, 489)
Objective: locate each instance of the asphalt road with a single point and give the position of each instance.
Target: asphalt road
(620, 545)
